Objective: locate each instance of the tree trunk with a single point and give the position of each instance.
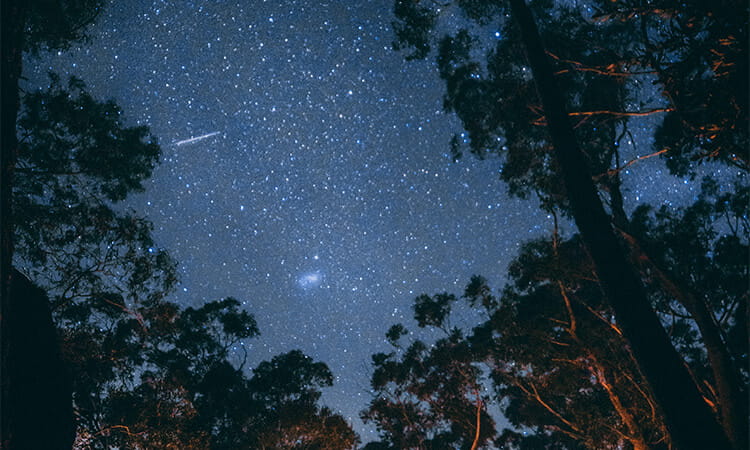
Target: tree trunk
(11, 43)
(732, 395)
(40, 404)
(689, 420)
(733, 402)
(36, 395)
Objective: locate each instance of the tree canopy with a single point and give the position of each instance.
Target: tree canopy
(550, 91)
(550, 354)
(554, 91)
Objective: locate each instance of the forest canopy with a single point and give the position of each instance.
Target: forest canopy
(630, 331)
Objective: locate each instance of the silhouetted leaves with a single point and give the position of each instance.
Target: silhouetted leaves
(432, 311)
(412, 28)
(58, 24)
(76, 159)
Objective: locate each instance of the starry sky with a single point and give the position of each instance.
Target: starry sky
(306, 170)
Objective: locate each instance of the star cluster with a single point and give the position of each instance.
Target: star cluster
(305, 169)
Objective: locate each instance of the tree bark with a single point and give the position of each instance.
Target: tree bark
(11, 44)
(733, 402)
(40, 404)
(689, 420)
(732, 394)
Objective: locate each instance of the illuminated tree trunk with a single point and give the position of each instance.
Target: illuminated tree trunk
(689, 420)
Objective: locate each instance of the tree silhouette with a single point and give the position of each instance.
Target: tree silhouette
(429, 397)
(76, 159)
(186, 386)
(559, 365)
(25, 26)
(39, 407)
(600, 65)
(285, 391)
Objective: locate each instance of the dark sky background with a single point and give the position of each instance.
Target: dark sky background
(321, 193)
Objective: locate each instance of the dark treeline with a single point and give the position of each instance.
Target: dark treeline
(631, 334)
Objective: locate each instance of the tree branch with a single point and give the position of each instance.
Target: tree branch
(586, 114)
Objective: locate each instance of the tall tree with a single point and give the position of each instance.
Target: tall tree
(688, 418)
(558, 362)
(74, 160)
(26, 26)
(29, 27)
(497, 98)
(181, 381)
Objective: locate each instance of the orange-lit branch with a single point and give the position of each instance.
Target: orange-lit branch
(586, 114)
(630, 163)
(608, 70)
(621, 113)
(130, 312)
(634, 12)
(577, 434)
(475, 444)
(123, 428)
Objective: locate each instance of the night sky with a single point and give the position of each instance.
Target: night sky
(306, 169)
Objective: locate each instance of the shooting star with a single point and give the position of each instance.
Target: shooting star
(197, 138)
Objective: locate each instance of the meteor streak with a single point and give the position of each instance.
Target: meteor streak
(197, 138)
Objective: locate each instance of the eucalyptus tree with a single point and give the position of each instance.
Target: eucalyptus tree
(584, 86)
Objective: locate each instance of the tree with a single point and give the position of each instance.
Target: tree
(481, 93)
(558, 363)
(145, 372)
(695, 261)
(699, 54)
(285, 392)
(66, 163)
(25, 26)
(429, 397)
(182, 383)
(28, 26)
(39, 407)
(684, 410)
(76, 159)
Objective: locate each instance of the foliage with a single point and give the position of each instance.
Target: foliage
(699, 53)
(429, 397)
(75, 160)
(555, 356)
(285, 391)
(605, 63)
(179, 386)
(705, 247)
(146, 372)
(52, 25)
(606, 56)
